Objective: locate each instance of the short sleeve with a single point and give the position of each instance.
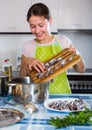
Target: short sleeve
(65, 42)
(28, 49)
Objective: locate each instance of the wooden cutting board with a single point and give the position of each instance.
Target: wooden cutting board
(57, 64)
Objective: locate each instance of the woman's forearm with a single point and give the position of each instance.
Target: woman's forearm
(29, 63)
(80, 67)
(24, 67)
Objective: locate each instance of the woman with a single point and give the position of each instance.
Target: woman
(44, 46)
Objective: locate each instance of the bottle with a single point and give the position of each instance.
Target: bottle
(7, 69)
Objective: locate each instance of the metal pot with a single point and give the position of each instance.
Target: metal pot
(25, 91)
(3, 85)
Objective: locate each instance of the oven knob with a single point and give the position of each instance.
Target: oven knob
(79, 86)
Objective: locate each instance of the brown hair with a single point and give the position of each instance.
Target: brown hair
(39, 9)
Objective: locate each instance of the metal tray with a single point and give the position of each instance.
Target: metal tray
(10, 116)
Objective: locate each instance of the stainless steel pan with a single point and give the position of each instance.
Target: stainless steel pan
(25, 91)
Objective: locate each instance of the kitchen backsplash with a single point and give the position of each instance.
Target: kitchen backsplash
(11, 46)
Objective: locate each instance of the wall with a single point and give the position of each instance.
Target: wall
(11, 45)
(82, 40)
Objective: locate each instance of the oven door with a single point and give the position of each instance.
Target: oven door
(80, 83)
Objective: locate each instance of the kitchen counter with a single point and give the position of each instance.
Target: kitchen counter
(39, 119)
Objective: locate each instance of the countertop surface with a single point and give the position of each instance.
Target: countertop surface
(39, 120)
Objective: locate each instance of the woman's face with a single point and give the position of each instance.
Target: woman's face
(40, 27)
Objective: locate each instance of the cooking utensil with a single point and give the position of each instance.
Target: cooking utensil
(10, 103)
(23, 80)
(10, 116)
(25, 91)
(55, 66)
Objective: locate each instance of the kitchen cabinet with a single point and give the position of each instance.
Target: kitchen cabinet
(74, 14)
(53, 8)
(13, 15)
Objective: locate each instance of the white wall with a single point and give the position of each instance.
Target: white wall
(82, 40)
(11, 45)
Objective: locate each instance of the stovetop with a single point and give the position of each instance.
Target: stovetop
(88, 71)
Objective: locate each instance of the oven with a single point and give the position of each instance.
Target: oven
(81, 83)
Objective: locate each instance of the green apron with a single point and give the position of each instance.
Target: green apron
(60, 84)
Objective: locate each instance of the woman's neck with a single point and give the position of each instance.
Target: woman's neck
(48, 39)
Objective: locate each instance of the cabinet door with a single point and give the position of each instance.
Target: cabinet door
(74, 14)
(13, 15)
(52, 4)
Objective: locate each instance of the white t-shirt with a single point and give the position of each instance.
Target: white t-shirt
(30, 46)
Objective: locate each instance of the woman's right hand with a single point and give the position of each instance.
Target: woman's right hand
(36, 64)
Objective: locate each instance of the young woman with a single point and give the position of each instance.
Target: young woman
(44, 46)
